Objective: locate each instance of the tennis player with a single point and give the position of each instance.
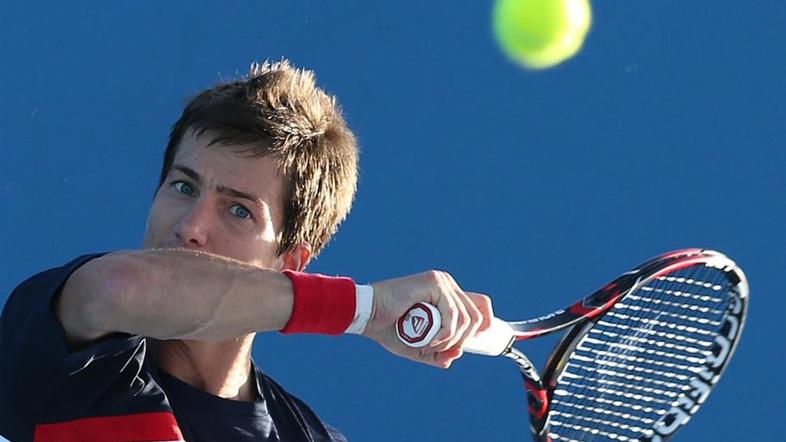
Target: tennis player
(155, 344)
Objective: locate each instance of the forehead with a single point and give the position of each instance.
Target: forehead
(231, 166)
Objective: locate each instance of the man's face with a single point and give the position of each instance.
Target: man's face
(218, 201)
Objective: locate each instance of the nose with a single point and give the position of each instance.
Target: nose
(193, 229)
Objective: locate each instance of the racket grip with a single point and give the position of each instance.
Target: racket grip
(493, 341)
(418, 326)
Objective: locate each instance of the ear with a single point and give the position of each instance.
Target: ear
(296, 258)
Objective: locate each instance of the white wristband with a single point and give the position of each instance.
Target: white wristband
(364, 299)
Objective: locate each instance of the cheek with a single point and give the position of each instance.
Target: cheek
(268, 234)
(158, 222)
(260, 250)
(262, 243)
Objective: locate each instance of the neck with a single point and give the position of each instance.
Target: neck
(221, 368)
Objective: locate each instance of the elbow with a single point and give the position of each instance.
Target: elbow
(101, 293)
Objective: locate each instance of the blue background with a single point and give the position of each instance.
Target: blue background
(665, 132)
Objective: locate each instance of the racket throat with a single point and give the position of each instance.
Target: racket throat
(537, 396)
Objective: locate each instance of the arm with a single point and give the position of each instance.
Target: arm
(180, 294)
(172, 294)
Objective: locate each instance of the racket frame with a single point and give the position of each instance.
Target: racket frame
(581, 317)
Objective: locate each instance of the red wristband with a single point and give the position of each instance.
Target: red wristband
(322, 304)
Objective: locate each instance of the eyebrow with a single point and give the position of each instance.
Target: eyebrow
(194, 175)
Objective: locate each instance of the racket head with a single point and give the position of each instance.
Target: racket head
(602, 299)
(644, 365)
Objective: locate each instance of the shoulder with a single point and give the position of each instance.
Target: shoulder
(28, 324)
(43, 371)
(46, 283)
(28, 317)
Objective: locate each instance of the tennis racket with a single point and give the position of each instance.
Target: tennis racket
(641, 356)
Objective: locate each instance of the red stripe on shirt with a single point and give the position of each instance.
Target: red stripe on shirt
(142, 427)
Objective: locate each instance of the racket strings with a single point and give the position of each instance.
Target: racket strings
(630, 368)
(673, 316)
(636, 346)
(638, 388)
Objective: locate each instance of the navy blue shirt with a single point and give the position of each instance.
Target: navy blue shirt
(111, 391)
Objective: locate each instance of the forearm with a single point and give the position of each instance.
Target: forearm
(179, 294)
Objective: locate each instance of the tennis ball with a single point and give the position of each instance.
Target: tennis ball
(541, 33)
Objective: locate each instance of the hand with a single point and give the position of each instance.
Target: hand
(463, 315)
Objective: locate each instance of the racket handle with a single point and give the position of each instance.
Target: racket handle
(421, 322)
(493, 341)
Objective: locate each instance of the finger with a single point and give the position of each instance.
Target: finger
(423, 355)
(445, 359)
(462, 317)
(483, 304)
(449, 312)
(441, 360)
(448, 309)
(474, 317)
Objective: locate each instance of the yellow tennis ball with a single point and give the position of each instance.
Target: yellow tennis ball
(541, 33)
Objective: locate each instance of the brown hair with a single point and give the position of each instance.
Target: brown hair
(278, 110)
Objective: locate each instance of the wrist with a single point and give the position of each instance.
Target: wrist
(328, 305)
(364, 301)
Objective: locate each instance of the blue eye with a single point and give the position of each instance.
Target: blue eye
(183, 187)
(241, 212)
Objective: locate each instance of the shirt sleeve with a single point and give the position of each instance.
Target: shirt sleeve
(36, 367)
